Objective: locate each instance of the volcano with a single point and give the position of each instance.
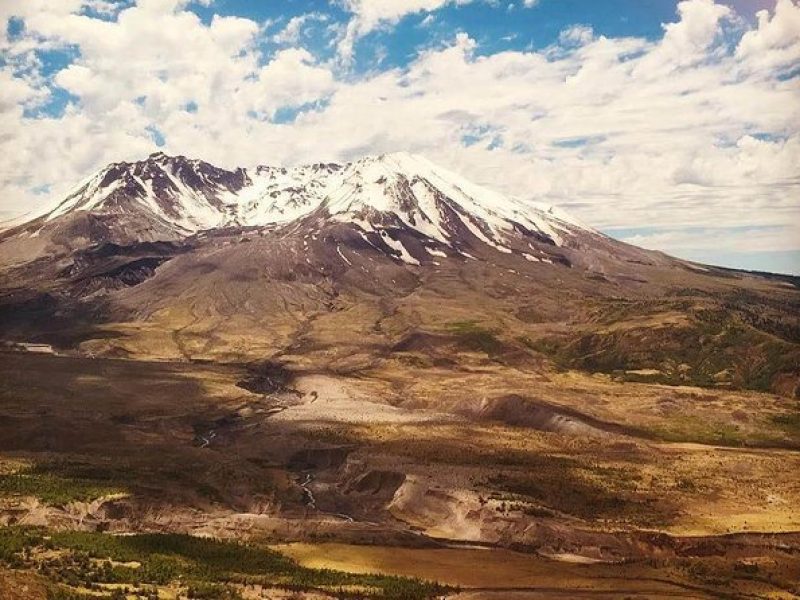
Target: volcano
(342, 265)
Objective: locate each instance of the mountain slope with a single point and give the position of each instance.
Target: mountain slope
(405, 190)
(386, 258)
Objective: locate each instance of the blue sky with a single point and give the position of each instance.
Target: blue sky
(673, 125)
(496, 25)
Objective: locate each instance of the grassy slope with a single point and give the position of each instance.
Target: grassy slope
(94, 560)
(700, 340)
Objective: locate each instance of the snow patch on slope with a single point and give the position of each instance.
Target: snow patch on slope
(400, 248)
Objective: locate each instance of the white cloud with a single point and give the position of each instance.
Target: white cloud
(577, 34)
(16, 92)
(427, 21)
(107, 8)
(296, 26)
(775, 44)
(686, 42)
(679, 133)
(290, 78)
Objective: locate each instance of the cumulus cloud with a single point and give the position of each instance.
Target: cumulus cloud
(696, 129)
(774, 46)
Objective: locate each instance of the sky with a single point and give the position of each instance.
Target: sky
(671, 125)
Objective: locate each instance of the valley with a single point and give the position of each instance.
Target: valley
(78, 454)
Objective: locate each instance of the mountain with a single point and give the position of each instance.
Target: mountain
(341, 266)
(166, 197)
(383, 353)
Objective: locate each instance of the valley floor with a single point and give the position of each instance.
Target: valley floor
(495, 482)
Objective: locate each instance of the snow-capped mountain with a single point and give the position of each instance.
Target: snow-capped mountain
(349, 265)
(166, 197)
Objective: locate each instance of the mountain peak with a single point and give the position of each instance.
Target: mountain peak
(396, 161)
(400, 157)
